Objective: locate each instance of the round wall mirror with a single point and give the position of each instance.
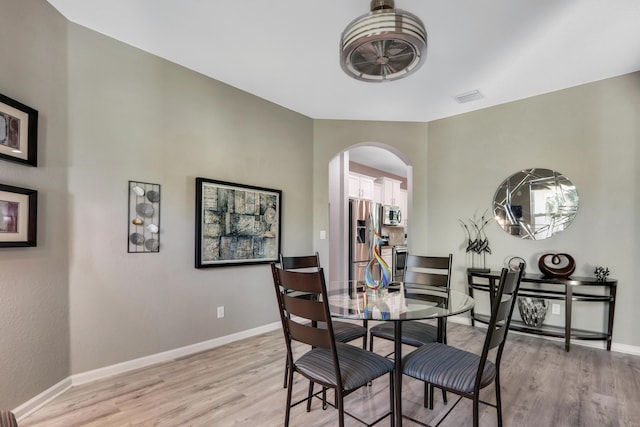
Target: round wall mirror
(535, 203)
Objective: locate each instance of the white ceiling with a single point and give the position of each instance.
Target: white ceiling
(286, 51)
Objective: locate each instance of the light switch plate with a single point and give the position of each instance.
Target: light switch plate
(555, 308)
(221, 311)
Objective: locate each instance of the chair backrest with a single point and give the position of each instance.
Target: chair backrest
(501, 312)
(427, 270)
(300, 262)
(300, 315)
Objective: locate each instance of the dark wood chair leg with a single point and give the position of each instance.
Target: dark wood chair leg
(498, 398)
(288, 412)
(340, 405)
(310, 397)
(425, 402)
(430, 396)
(476, 408)
(286, 372)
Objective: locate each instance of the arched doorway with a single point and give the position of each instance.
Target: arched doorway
(378, 161)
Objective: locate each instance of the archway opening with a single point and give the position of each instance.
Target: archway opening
(371, 171)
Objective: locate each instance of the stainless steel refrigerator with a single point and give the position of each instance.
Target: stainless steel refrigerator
(364, 218)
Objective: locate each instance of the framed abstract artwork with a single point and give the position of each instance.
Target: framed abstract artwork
(18, 132)
(236, 224)
(18, 212)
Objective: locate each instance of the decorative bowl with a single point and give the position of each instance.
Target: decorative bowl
(532, 310)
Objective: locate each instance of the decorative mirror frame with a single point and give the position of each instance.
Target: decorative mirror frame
(535, 203)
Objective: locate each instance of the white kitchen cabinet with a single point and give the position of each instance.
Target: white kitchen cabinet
(361, 187)
(377, 192)
(403, 203)
(390, 191)
(354, 186)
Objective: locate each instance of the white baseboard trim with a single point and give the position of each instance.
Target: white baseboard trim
(165, 356)
(42, 399)
(625, 348)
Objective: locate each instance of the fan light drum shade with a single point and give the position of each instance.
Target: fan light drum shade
(385, 44)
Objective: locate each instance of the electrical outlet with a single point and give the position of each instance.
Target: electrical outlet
(221, 311)
(555, 308)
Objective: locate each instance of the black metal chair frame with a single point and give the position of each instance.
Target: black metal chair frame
(311, 263)
(300, 317)
(501, 312)
(421, 271)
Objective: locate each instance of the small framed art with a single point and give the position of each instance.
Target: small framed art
(18, 132)
(143, 234)
(236, 224)
(18, 216)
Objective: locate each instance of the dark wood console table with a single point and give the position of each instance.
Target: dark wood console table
(568, 290)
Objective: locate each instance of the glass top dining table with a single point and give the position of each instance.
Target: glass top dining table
(399, 302)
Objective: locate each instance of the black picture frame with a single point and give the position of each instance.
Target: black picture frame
(18, 132)
(18, 216)
(236, 224)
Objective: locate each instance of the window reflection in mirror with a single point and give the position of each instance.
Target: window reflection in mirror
(535, 203)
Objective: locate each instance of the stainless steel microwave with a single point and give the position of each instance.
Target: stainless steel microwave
(391, 215)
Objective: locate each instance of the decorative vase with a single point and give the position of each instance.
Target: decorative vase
(377, 267)
(514, 263)
(532, 310)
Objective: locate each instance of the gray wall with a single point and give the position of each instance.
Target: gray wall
(34, 298)
(134, 116)
(125, 115)
(590, 133)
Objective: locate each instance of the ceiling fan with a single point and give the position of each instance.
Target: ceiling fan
(383, 45)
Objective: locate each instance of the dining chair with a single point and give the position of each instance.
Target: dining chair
(464, 373)
(344, 331)
(329, 363)
(419, 271)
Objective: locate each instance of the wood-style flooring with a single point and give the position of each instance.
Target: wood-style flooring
(240, 384)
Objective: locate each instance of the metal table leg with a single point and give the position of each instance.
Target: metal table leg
(397, 348)
(567, 316)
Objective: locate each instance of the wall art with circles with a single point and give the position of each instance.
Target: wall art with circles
(144, 217)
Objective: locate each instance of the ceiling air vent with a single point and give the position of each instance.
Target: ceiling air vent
(474, 95)
(385, 44)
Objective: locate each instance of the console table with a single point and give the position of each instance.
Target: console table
(567, 289)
